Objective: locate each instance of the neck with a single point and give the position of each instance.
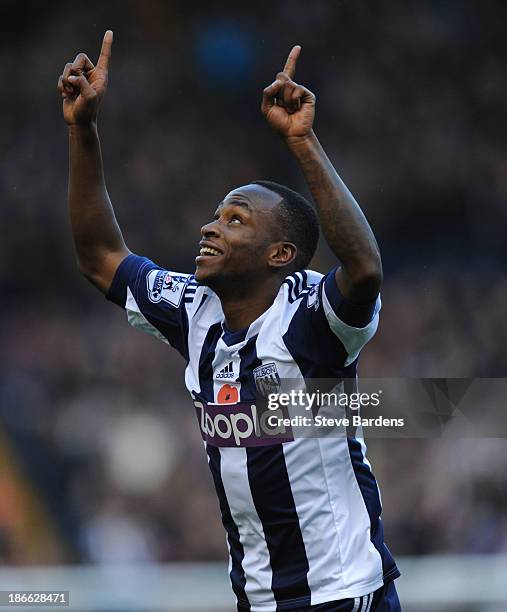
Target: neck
(242, 308)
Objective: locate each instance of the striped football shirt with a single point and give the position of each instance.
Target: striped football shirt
(302, 516)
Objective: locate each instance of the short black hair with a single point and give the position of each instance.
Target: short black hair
(297, 220)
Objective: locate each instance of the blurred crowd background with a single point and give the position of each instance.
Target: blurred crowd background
(100, 455)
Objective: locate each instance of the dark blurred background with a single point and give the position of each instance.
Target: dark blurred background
(100, 457)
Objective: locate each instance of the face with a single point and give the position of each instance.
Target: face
(240, 243)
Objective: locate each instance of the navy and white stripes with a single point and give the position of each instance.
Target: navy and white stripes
(363, 604)
(302, 517)
(297, 285)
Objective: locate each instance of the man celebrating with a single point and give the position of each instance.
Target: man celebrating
(302, 516)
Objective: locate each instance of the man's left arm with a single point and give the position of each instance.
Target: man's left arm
(290, 109)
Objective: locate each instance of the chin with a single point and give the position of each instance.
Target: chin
(202, 277)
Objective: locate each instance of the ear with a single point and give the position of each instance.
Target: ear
(281, 254)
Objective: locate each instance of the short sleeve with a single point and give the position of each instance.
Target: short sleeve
(155, 299)
(326, 331)
(354, 324)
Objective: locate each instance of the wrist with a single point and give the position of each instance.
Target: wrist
(82, 129)
(301, 144)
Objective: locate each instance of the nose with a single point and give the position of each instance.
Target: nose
(210, 230)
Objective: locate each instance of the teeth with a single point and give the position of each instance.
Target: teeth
(208, 251)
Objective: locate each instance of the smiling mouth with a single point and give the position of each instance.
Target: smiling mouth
(210, 252)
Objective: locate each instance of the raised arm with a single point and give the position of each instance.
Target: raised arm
(97, 237)
(290, 109)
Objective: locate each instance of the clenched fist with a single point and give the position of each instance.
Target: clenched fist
(82, 85)
(288, 107)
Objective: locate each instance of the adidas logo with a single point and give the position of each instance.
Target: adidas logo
(227, 372)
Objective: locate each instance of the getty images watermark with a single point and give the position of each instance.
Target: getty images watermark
(316, 406)
(285, 410)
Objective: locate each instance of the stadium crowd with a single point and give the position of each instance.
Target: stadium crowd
(99, 447)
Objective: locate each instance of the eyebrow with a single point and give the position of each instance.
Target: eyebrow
(236, 203)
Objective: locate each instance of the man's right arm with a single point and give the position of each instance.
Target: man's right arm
(98, 240)
(97, 237)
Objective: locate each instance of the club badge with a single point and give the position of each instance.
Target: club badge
(267, 379)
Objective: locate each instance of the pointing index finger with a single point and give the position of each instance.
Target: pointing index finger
(290, 64)
(105, 51)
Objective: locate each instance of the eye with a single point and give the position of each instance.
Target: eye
(235, 219)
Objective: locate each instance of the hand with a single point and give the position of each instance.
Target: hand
(288, 107)
(82, 85)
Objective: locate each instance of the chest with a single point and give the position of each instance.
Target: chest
(223, 372)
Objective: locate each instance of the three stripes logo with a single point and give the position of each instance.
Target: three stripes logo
(226, 372)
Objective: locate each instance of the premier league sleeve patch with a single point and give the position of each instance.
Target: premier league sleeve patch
(164, 286)
(313, 300)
